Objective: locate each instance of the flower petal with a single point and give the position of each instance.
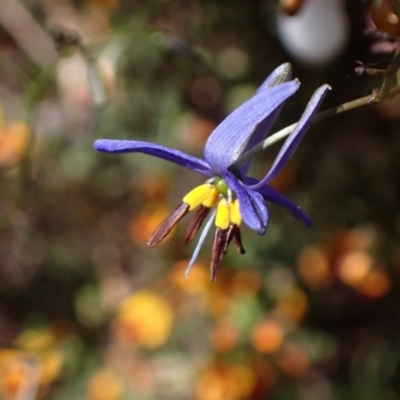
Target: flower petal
(251, 204)
(279, 75)
(272, 195)
(295, 137)
(135, 146)
(231, 136)
(259, 134)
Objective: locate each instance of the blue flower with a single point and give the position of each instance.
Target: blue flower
(229, 192)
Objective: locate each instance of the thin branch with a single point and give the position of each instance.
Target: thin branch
(390, 76)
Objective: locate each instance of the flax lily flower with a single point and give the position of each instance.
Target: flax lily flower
(229, 192)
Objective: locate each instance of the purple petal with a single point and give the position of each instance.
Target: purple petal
(279, 75)
(230, 138)
(259, 134)
(251, 204)
(272, 195)
(134, 146)
(295, 137)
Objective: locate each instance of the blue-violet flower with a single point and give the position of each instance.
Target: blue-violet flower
(232, 194)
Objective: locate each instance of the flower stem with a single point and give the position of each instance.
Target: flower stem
(276, 137)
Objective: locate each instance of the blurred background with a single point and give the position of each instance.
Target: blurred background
(87, 311)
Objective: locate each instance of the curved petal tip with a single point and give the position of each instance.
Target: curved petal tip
(103, 144)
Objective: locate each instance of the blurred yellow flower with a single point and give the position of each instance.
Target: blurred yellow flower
(105, 385)
(37, 361)
(14, 138)
(13, 374)
(20, 370)
(144, 318)
(226, 382)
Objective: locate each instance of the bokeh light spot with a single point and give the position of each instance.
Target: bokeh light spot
(232, 62)
(354, 267)
(267, 336)
(313, 266)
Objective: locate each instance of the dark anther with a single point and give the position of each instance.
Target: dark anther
(196, 222)
(234, 234)
(237, 241)
(220, 240)
(166, 226)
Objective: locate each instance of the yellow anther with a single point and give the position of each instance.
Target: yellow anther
(235, 216)
(198, 195)
(212, 198)
(223, 215)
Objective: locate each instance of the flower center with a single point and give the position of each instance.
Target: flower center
(227, 219)
(221, 186)
(214, 193)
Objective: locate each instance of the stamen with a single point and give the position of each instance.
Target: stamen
(198, 195)
(166, 226)
(212, 198)
(234, 230)
(234, 234)
(229, 236)
(223, 215)
(235, 217)
(237, 241)
(196, 222)
(220, 240)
